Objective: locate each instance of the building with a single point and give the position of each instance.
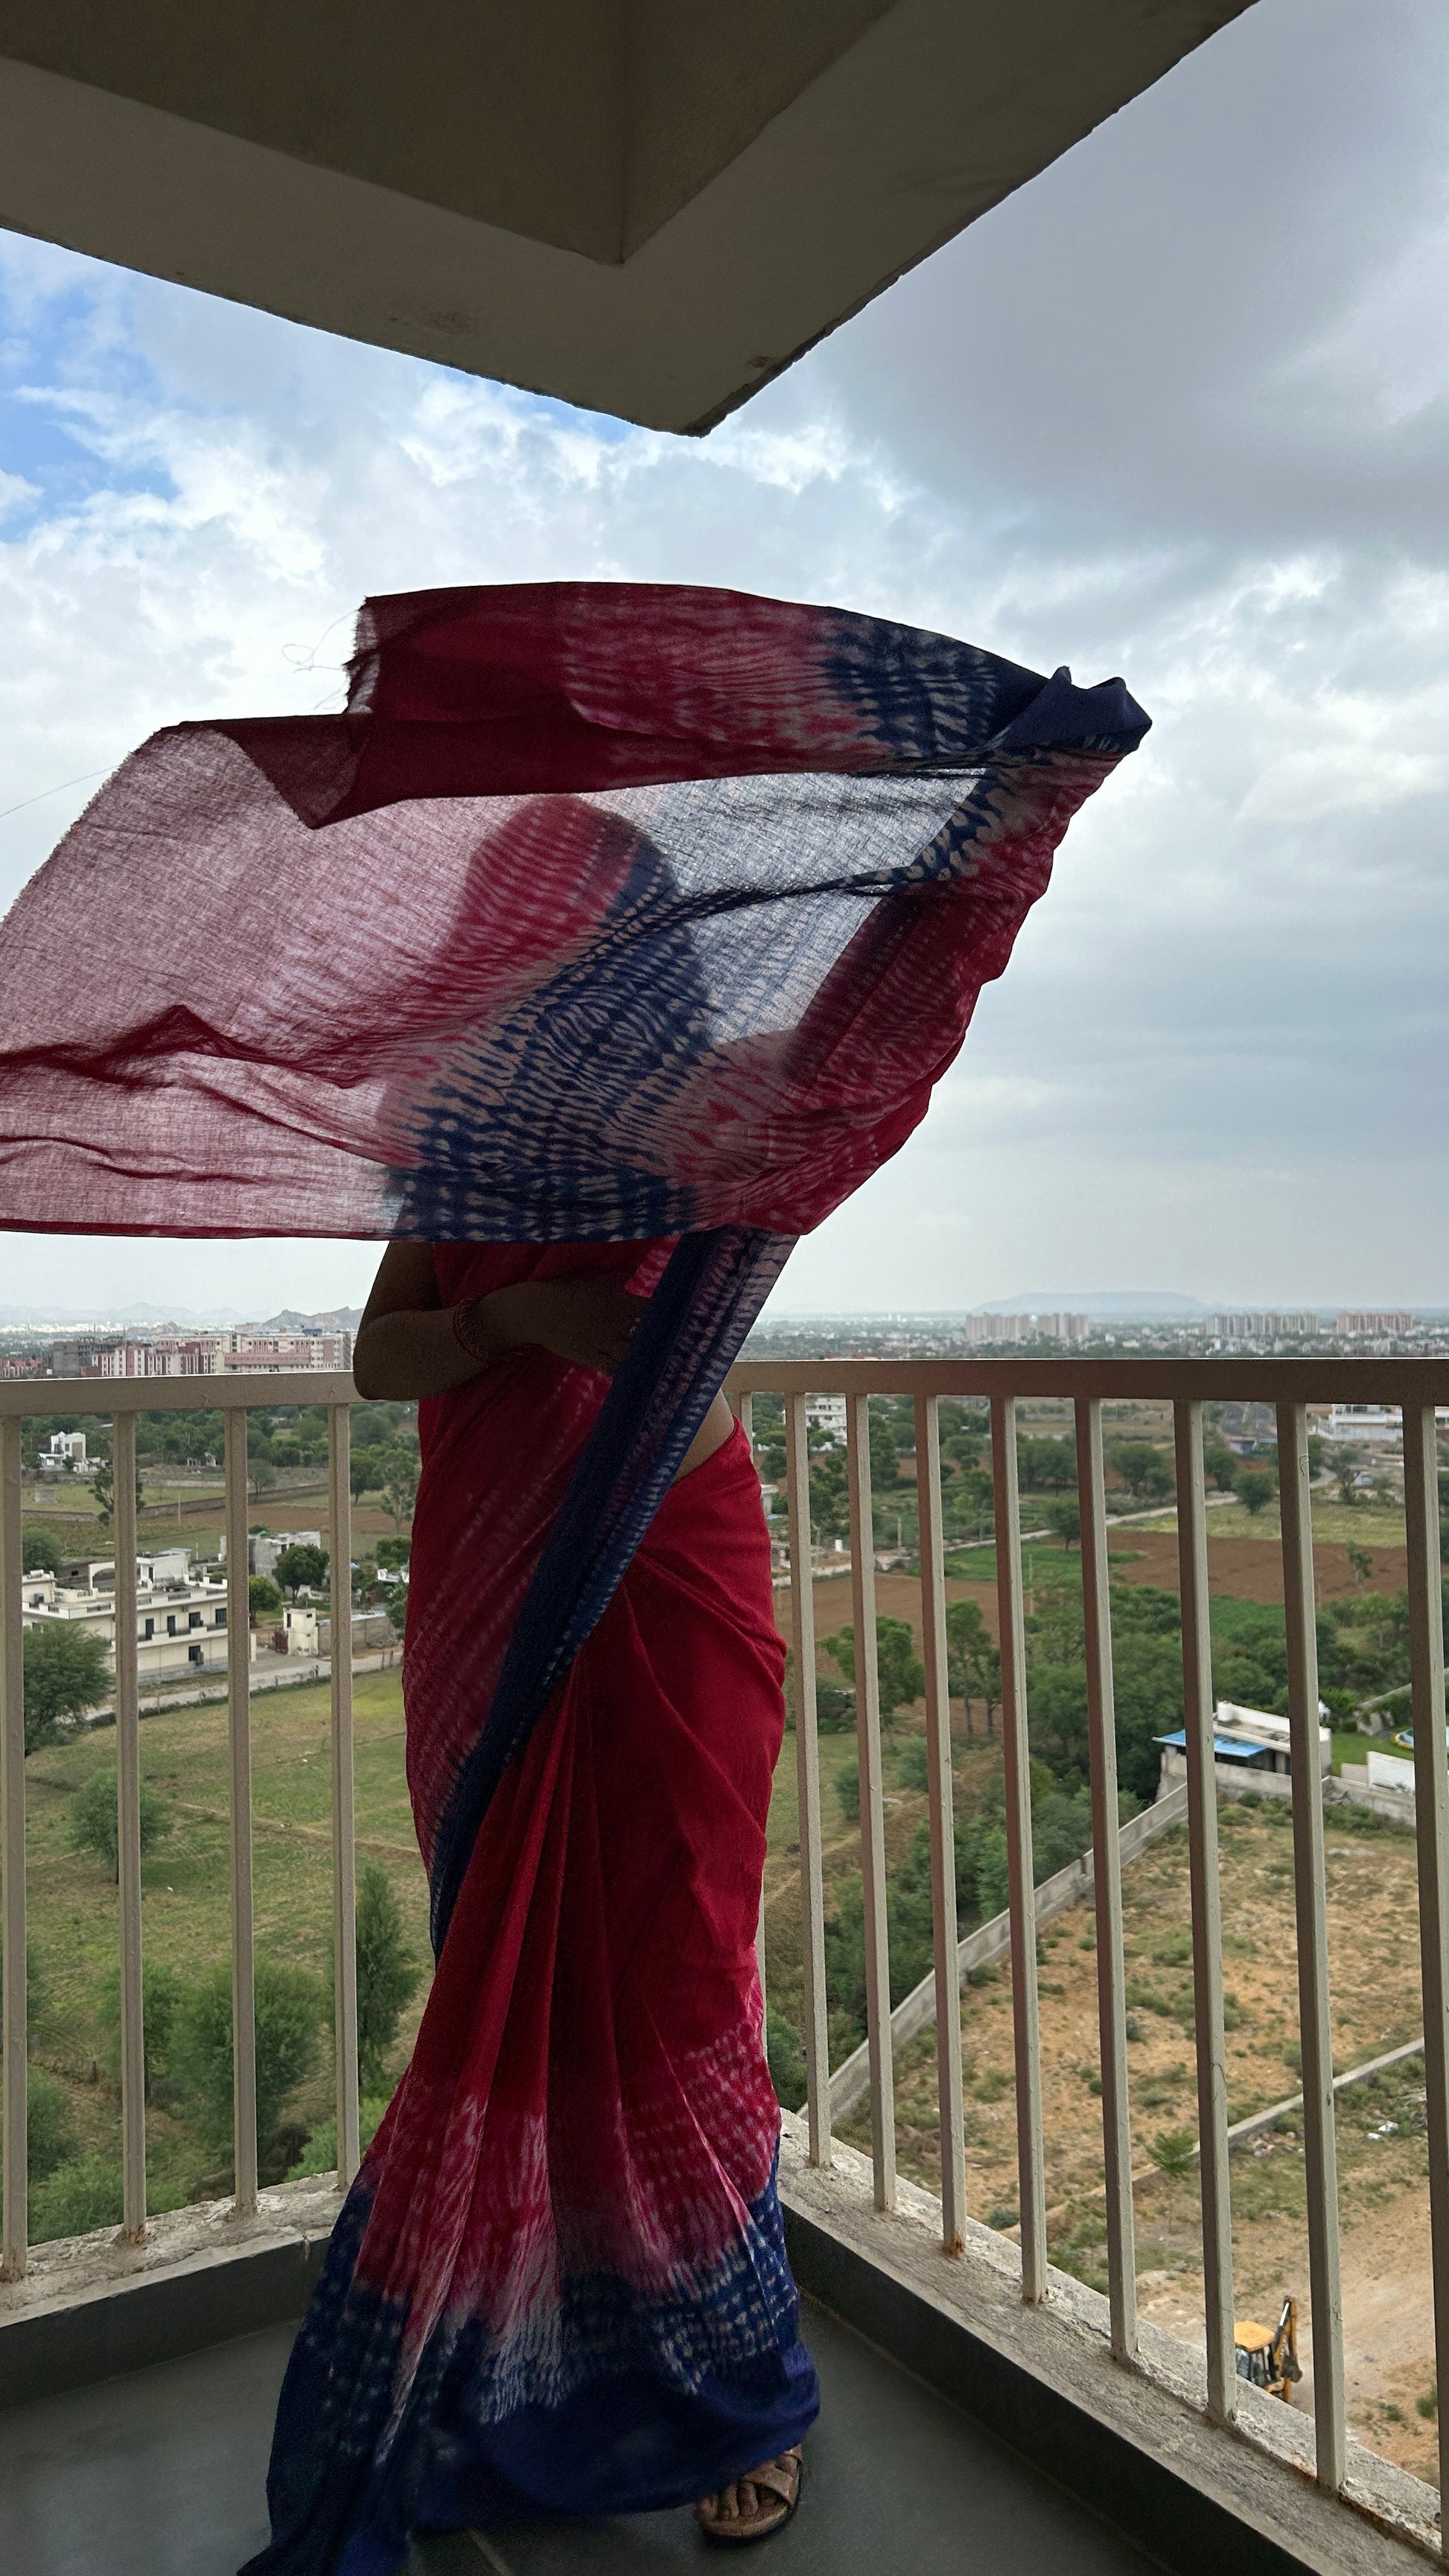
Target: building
(65, 1455)
(827, 1415)
(1266, 1328)
(1391, 1326)
(985, 1330)
(225, 1354)
(180, 1617)
(1244, 1739)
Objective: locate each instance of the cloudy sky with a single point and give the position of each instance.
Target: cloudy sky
(1177, 411)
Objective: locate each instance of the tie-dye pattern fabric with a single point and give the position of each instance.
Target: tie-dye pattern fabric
(606, 916)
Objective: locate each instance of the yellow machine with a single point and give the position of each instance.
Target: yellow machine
(1268, 2356)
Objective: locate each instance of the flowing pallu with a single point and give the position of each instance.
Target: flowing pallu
(609, 924)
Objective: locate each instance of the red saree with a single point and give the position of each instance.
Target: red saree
(570, 2208)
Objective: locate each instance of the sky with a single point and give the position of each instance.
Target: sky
(1178, 410)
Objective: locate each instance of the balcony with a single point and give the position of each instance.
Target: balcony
(979, 2393)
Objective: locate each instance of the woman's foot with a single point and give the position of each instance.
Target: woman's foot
(754, 2506)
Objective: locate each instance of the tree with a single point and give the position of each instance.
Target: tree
(261, 1476)
(1344, 1463)
(1360, 1564)
(1046, 1466)
(66, 1672)
(303, 1564)
(1219, 1462)
(50, 2130)
(263, 1596)
(393, 1552)
(92, 1821)
(400, 1491)
(1064, 1515)
(901, 1673)
(1144, 1470)
(291, 2009)
(40, 1551)
(103, 1486)
(973, 1661)
(397, 1611)
(1255, 1488)
(388, 1976)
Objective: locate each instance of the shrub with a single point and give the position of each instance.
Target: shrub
(319, 2156)
(913, 1763)
(786, 2054)
(39, 1551)
(80, 2195)
(263, 1596)
(92, 1823)
(847, 1791)
(161, 1995)
(50, 2133)
(291, 2008)
(1173, 2150)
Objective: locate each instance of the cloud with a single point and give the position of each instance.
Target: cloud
(1179, 410)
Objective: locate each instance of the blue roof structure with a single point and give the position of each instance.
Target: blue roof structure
(1225, 1748)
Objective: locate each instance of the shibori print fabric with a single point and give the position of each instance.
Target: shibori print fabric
(605, 915)
(604, 912)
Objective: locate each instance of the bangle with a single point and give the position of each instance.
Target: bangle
(470, 1334)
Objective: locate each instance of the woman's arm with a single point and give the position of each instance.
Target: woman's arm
(409, 1345)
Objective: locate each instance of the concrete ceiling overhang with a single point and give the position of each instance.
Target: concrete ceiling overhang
(648, 207)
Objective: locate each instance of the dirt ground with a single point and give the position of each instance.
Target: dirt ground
(1383, 2172)
(1248, 1569)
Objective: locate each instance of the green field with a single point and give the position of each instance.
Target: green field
(72, 1909)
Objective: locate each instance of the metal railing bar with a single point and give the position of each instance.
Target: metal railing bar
(1207, 1930)
(1308, 1381)
(1431, 1804)
(1107, 1881)
(239, 1713)
(872, 1805)
(944, 1931)
(344, 1826)
(815, 2033)
(14, 2045)
(744, 1407)
(1310, 1891)
(108, 1396)
(1021, 1876)
(128, 1828)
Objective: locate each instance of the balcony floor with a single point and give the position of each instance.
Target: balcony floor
(160, 2474)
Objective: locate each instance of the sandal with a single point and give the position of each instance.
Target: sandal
(777, 2485)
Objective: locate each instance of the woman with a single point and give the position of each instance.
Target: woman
(596, 2200)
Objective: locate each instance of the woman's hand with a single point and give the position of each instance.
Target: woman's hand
(582, 1317)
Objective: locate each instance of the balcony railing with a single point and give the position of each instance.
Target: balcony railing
(119, 1401)
(1414, 1388)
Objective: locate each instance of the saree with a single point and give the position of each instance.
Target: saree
(615, 923)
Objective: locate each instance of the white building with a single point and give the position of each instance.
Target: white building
(226, 1354)
(65, 1455)
(1244, 1739)
(828, 1414)
(1266, 1328)
(981, 1329)
(180, 1619)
